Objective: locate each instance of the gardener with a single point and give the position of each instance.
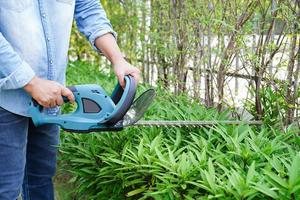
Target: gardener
(34, 41)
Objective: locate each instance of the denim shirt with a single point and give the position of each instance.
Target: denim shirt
(34, 41)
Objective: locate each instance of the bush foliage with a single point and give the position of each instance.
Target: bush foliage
(216, 162)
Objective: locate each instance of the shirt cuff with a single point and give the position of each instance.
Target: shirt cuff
(20, 77)
(100, 33)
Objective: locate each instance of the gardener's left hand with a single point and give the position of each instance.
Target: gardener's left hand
(122, 68)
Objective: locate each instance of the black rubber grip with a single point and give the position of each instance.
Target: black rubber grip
(36, 104)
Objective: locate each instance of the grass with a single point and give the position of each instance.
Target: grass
(216, 162)
(63, 190)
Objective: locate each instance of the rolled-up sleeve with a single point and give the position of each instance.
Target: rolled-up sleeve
(14, 72)
(91, 20)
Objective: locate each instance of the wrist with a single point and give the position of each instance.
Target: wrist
(28, 87)
(118, 58)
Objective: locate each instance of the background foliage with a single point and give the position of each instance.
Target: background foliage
(222, 53)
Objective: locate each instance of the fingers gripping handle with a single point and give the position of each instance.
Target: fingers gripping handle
(65, 99)
(36, 110)
(73, 90)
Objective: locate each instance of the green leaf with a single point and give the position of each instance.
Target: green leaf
(294, 171)
(83, 160)
(279, 182)
(141, 148)
(155, 143)
(136, 191)
(211, 170)
(251, 173)
(171, 157)
(210, 175)
(88, 171)
(73, 179)
(265, 190)
(295, 189)
(120, 162)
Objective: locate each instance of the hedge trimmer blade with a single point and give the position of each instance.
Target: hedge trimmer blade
(193, 124)
(141, 104)
(138, 108)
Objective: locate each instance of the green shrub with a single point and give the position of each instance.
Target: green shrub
(216, 162)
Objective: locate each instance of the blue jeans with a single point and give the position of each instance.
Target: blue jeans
(27, 158)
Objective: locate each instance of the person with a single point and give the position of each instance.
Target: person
(34, 41)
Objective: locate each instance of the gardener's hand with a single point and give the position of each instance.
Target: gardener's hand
(122, 68)
(48, 93)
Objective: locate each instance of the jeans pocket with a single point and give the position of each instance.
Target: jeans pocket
(16, 5)
(66, 1)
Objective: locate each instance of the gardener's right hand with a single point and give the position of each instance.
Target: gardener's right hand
(48, 93)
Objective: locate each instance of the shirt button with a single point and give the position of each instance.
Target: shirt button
(43, 15)
(48, 39)
(51, 62)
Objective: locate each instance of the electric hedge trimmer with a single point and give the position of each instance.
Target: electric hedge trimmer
(97, 111)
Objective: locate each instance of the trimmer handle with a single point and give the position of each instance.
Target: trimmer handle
(123, 99)
(88, 110)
